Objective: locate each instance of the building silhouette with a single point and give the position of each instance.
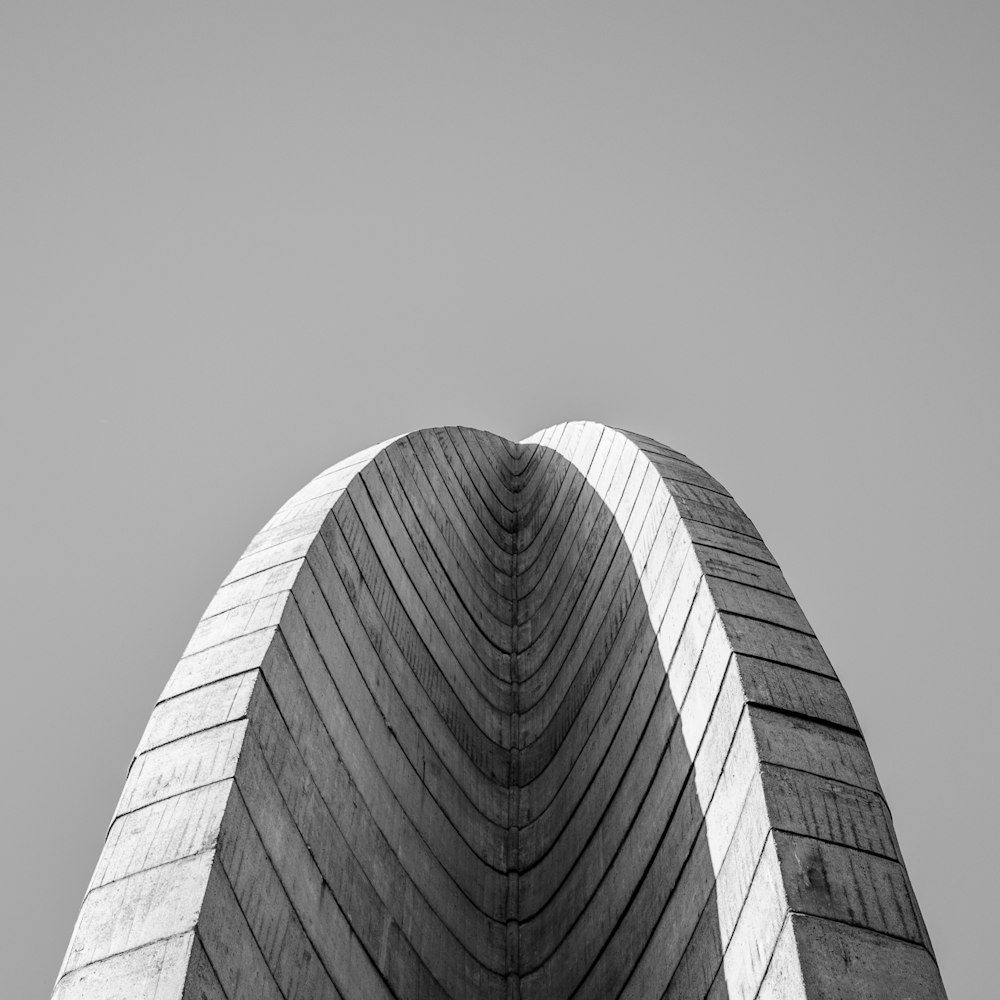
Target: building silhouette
(476, 718)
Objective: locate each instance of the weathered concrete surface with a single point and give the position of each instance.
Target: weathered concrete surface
(472, 718)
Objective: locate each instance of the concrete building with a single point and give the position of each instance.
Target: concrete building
(475, 718)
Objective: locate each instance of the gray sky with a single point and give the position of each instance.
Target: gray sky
(241, 241)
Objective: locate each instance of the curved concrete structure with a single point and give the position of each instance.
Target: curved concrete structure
(472, 718)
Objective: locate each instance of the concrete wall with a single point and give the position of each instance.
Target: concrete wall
(472, 718)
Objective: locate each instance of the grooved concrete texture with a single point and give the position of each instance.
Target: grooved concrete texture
(472, 718)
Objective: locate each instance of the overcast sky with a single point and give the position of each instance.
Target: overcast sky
(240, 241)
